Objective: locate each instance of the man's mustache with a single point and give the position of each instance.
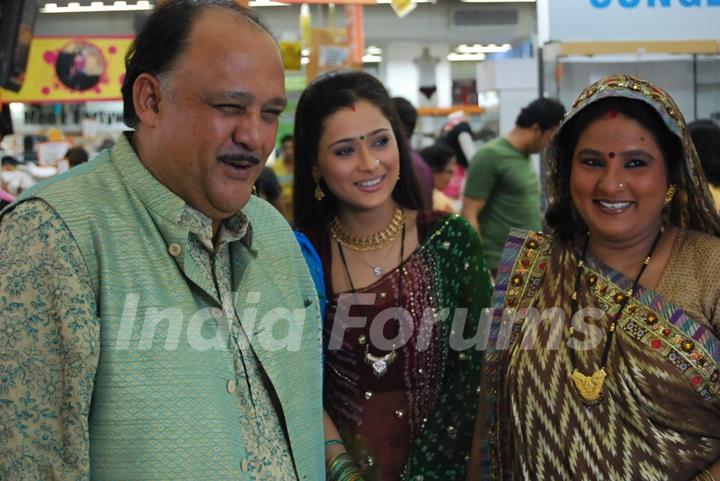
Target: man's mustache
(245, 157)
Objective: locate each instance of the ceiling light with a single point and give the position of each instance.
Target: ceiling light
(118, 6)
(413, 1)
(497, 1)
(267, 3)
(478, 48)
(466, 57)
(367, 58)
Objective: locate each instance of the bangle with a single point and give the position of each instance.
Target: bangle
(343, 468)
(705, 476)
(333, 442)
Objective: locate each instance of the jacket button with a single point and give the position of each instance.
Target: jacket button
(174, 249)
(231, 386)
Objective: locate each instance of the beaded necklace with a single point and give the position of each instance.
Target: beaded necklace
(590, 388)
(371, 242)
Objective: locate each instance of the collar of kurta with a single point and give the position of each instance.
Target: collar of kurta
(165, 203)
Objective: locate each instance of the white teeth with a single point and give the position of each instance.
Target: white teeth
(614, 205)
(370, 183)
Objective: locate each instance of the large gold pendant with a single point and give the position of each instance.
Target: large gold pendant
(590, 388)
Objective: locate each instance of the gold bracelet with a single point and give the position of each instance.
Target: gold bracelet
(705, 476)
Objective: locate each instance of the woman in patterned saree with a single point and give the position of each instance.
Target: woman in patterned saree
(396, 387)
(604, 363)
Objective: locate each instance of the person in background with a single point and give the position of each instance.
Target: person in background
(15, 175)
(457, 134)
(107, 143)
(268, 188)
(502, 189)
(76, 156)
(606, 364)
(141, 291)
(5, 197)
(283, 168)
(408, 116)
(441, 160)
(705, 135)
(401, 399)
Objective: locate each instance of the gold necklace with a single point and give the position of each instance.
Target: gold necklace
(371, 242)
(590, 388)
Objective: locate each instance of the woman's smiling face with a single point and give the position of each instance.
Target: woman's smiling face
(618, 179)
(358, 157)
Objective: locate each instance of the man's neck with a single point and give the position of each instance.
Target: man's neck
(520, 139)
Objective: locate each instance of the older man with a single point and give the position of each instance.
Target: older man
(156, 322)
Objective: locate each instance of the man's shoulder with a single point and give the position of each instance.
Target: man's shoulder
(268, 224)
(491, 150)
(84, 177)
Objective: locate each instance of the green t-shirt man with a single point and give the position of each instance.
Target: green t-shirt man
(503, 176)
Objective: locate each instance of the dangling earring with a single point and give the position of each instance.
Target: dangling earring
(669, 195)
(319, 193)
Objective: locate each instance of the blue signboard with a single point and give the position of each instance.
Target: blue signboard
(628, 20)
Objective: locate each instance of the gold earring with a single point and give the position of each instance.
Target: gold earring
(319, 194)
(669, 195)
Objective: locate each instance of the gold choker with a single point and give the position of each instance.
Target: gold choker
(371, 242)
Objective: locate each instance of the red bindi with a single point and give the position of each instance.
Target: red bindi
(611, 155)
(353, 107)
(612, 114)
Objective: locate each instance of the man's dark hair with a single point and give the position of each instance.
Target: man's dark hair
(163, 37)
(285, 138)
(547, 113)
(76, 156)
(407, 114)
(706, 137)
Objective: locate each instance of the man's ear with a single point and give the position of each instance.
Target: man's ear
(146, 99)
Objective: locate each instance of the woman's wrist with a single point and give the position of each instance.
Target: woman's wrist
(342, 467)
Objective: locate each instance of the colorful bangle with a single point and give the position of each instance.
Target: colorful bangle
(334, 442)
(342, 467)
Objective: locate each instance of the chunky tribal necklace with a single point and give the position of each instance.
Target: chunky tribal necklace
(590, 388)
(371, 242)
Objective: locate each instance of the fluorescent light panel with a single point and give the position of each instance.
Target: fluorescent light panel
(125, 6)
(497, 1)
(118, 6)
(478, 48)
(465, 57)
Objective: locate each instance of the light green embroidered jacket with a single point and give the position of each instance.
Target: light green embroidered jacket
(152, 376)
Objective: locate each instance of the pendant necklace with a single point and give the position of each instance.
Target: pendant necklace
(590, 388)
(377, 270)
(379, 364)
